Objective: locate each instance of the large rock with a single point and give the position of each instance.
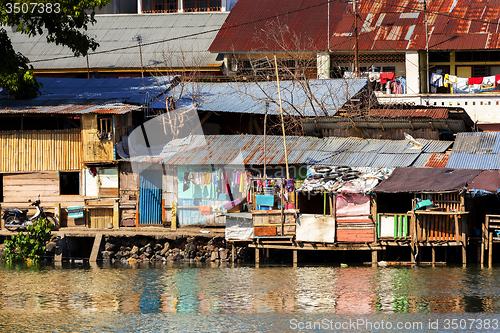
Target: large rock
(107, 255)
(134, 250)
(223, 254)
(214, 256)
(108, 246)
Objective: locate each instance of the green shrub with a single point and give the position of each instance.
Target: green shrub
(28, 246)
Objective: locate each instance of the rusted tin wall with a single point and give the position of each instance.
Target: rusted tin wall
(58, 150)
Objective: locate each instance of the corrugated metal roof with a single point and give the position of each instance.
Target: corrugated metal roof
(433, 146)
(389, 25)
(409, 113)
(249, 149)
(474, 161)
(454, 125)
(476, 143)
(431, 160)
(77, 96)
(116, 32)
(251, 97)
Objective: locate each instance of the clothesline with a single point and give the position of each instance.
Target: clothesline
(461, 85)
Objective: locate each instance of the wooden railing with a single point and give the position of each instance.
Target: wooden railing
(440, 226)
(393, 225)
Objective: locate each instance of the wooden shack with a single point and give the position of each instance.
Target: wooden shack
(65, 152)
(424, 207)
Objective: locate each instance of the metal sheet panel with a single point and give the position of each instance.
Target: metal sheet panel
(250, 97)
(388, 25)
(476, 142)
(431, 160)
(474, 161)
(409, 113)
(114, 32)
(393, 160)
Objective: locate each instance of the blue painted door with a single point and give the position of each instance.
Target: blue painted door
(150, 197)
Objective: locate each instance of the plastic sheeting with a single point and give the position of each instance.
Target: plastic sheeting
(426, 180)
(488, 180)
(315, 228)
(239, 226)
(357, 205)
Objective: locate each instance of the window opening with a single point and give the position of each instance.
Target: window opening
(69, 183)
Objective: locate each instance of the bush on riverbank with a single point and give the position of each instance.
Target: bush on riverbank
(185, 249)
(28, 246)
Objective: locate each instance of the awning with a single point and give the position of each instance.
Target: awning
(426, 180)
(487, 180)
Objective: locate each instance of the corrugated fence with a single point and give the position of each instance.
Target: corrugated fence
(57, 150)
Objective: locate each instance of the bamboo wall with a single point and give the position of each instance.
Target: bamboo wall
(57, 150)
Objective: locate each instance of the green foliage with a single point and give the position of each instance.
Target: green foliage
(15, 75)
(62, 21)
(29, 246)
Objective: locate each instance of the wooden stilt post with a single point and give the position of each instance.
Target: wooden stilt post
(295, 259)
(2, 222)
(490, 248)
(233, 253)
(433, 250)
(257, 252)
(374, 257)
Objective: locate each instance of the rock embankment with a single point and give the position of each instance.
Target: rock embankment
(130, 249)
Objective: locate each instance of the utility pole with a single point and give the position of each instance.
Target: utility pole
(282, 123)
(328, 28)
(426, 45)
(88, 70)
(356, 65)
(139, 40)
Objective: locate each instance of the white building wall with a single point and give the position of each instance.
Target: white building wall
(323, 65)
(412, 72)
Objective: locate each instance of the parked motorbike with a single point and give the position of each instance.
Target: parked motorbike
(17, 219)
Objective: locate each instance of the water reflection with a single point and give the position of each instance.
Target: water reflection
(224, 289)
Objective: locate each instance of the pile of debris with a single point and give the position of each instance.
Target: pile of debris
(343, 179)
(191, 249)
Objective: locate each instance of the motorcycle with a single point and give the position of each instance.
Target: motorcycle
(17, 219)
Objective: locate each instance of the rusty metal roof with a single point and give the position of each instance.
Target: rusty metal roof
(409, 113)
(437, 160)
(249, 149)
(383, 25)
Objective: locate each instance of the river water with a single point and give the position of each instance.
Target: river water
(222, 297)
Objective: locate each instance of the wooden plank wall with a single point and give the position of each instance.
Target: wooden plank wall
(129, 194)
(21, 187)
(95, 149)
(58, 150)
(100, 217)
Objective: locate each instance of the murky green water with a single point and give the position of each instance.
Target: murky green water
(226, 298)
